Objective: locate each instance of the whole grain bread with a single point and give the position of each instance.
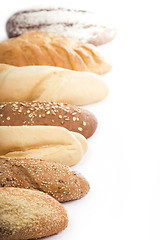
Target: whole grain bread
(28, 214)
(60, 181)
(73, 118)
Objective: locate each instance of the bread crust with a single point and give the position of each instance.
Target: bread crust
(47, 83)
(59, 181)
(51, 143)
(28, 214)
(73, 118)
(40, 48)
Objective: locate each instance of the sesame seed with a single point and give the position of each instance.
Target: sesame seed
(8, 118)
(74, 119)
(74, 113)
(84, 123)
(66, 118)
(60, 116)
(23, 104)
(48, 112)
(53, 112)
(1, 106)
(80, 129)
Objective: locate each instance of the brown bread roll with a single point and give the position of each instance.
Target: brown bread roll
(28, 214)
(51, 143)
(59, 181)
(48, 83)
(39, 48)
(73, 118)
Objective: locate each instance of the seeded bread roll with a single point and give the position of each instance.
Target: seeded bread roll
(39, 48)
(46, 83)
(59, 181)
(73, 118)
(51, 143)
(28, 214)
(80, 24)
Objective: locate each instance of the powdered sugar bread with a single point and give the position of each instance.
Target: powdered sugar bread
(80, 24)
(29, 214)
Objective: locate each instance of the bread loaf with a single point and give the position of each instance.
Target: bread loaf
(59, 181)
(28, 214)
(73, 118)
(39, 48)
(51, 143)
(80, 24)
(46, 83)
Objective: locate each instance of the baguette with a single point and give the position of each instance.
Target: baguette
(46, 83)
(73, 118)
(59, 181)
(40, 48)
(28, 214)
(51, 143)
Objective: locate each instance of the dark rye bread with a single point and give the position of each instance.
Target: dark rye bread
(48, 113)
(59, 181)
(81, 24)
(29, 214)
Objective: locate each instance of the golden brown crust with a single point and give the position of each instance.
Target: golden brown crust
(39, 48)
(59, 181)
(48, 113)
(27, 214)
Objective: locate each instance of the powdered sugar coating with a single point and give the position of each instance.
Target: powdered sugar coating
(80, 24)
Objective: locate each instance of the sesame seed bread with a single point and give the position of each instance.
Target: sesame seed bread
(73, 118)
(28, 214)
(80, 24)
(40, 48)
(59, 181)
(47, 83)
(51, 143)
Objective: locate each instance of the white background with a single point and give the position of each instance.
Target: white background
(122, 164)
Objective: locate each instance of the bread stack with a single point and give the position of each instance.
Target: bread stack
(44, 77)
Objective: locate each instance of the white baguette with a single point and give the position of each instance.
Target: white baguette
(51, 143)
(47, 83)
